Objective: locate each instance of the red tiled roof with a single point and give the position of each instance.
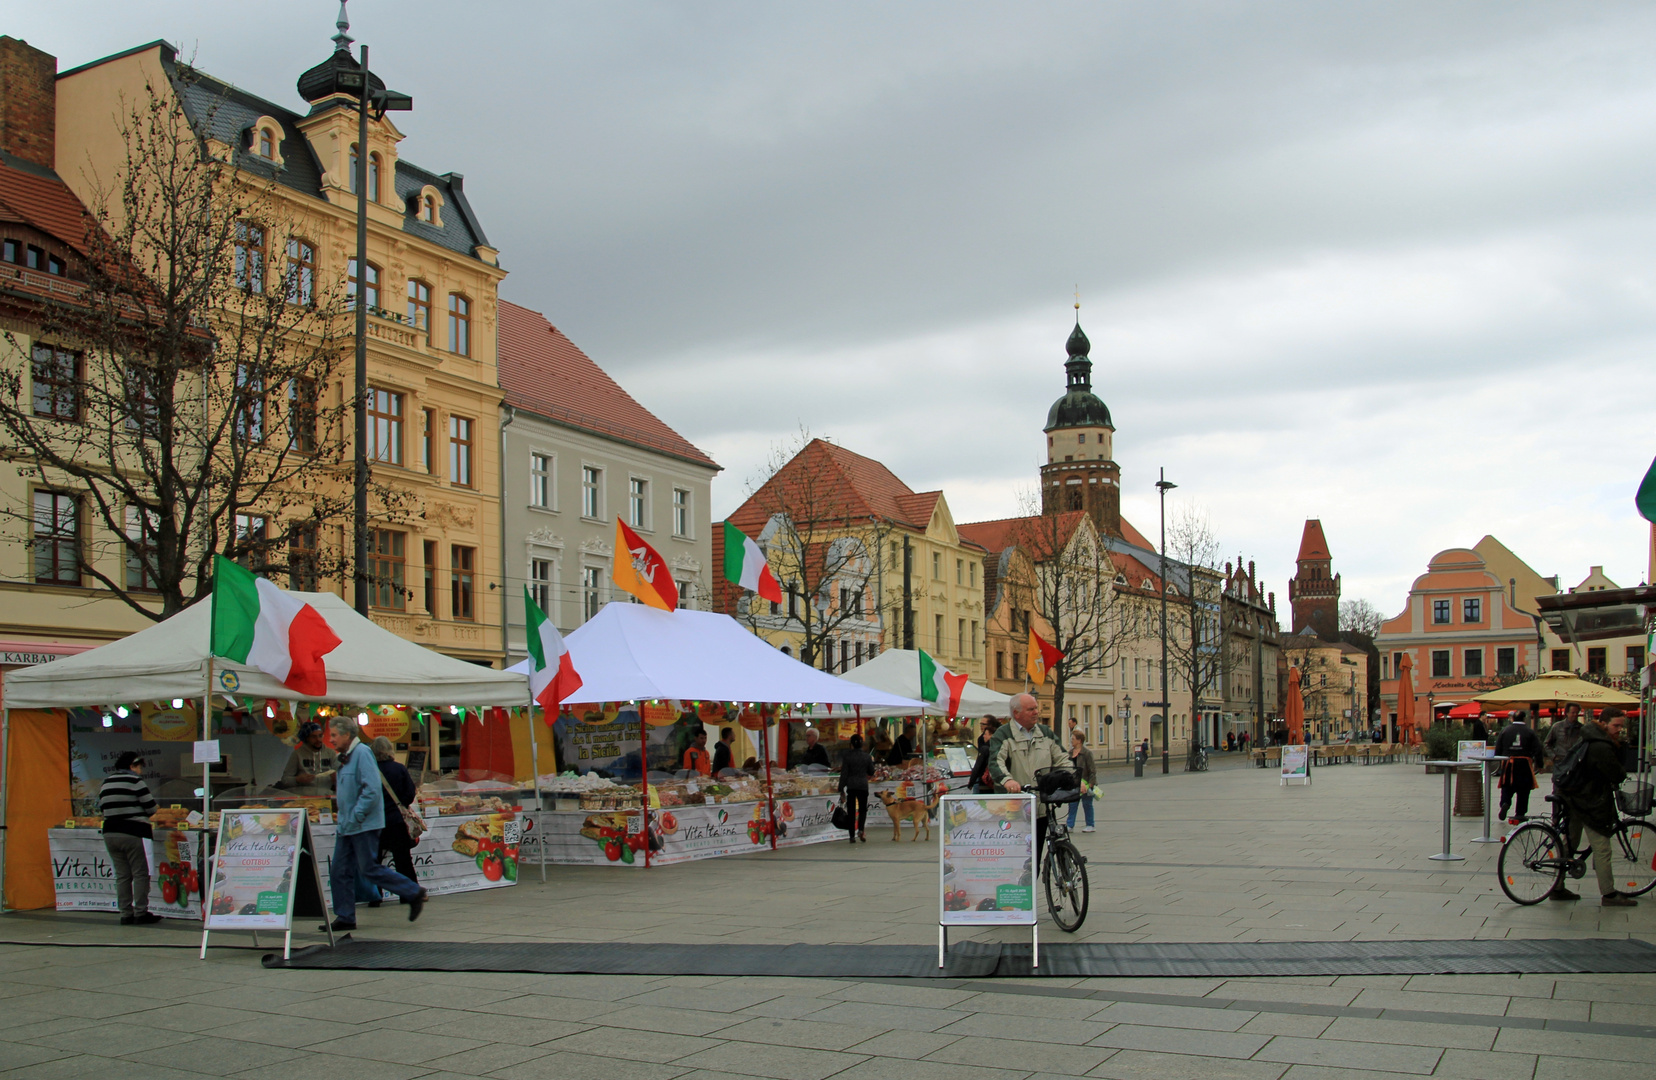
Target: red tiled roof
(831, 483)
(45, 203)
(1313, 545)
(1134, 537)
(1038, 534)
(543, 372)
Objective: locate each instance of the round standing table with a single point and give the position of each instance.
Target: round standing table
(1449, 770)
(1488, 777)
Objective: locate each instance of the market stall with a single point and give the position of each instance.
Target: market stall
(160, 693)
(653, 680)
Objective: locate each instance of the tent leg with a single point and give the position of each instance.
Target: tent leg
(5, 785)
(534, 776)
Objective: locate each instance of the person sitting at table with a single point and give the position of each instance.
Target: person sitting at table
(697, 759)
(815, 754)
(723, 758)
(311, 767)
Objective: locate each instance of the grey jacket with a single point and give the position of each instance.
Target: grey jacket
(1015, 755)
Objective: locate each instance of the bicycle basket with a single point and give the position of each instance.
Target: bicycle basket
(1634, 799)
(1058, 784)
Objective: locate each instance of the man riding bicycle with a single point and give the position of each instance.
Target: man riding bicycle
(1592, 803)
(1021, 748)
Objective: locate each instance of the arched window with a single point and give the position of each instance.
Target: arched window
(428, 209)
(419, 305)
(373, 178)
(459, 324)
(267, 144)
(301, 271)
(356, 167)
(372, 295)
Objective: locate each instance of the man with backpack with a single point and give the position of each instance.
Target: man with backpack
(1586, 779)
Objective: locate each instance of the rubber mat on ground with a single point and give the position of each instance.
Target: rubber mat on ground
(1263, 958)
(971, 959)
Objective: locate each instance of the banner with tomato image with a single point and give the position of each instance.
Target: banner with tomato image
(457, 854)
(83, 879)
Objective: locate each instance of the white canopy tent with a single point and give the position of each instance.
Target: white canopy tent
(897, 671)
(169, 660)
(630, 652)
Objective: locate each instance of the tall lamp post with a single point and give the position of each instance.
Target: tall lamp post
(1163, 486)
(379, 102)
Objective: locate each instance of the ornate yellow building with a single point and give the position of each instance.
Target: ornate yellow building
(430, 286)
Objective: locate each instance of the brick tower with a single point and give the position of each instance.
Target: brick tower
(1080, 473)
(1314, 591)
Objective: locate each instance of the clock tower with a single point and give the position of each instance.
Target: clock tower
(1081, 473)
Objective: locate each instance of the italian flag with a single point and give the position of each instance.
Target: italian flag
(939, 684)
(258, 624)
(745, 565)
(552, 675)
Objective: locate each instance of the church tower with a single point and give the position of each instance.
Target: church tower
(1081, 473)
(1314, 591)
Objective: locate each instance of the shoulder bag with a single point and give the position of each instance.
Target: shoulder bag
(413, 822)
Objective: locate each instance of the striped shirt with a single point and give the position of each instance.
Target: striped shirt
(126, 804)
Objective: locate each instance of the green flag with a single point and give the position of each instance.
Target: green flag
(1645, 500)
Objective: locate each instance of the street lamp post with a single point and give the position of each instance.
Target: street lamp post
(1163, 486)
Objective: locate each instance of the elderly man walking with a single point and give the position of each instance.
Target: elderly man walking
(361, 817)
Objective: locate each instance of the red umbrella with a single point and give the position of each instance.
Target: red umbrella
(1293, 710)
(1405, 700)
(1465, 712)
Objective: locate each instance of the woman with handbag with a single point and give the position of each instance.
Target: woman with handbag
(856, 769)
(398, 787)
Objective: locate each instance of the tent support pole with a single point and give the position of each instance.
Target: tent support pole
(534, 777)
(5, 787)
(644, 777)
(770, 801)
(207, 733)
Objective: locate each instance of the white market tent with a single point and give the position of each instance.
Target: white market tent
(630, 652)
(169, 660)
(897, 671)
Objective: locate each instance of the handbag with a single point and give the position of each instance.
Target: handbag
(842, 817)
(414, 823)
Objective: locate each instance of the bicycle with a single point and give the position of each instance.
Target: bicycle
(1535, 857)
(1063, 868)
(1197, 759)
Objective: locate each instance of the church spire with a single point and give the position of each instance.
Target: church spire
(342, 38)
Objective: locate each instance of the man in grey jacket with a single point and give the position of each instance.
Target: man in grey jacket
(361, 816)
(1021, 749)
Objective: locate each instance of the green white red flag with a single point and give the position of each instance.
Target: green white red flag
(745, 565)
(258, 624)
(552, 675)
(939, 684)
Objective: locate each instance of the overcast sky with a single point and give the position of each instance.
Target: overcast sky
(1384, 264)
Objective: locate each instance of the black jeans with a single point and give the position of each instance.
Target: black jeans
(1519, 796)
(856, 804)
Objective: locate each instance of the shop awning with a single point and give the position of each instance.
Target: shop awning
(897, 671)
(629, 652)
(169, 660)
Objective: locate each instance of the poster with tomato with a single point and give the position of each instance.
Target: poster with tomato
(986, 871)
(457, 854)
(83, 879)
(257, 863)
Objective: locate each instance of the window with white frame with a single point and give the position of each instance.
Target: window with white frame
(540, 583)
(638, 502)
(681, 512)
(540, 481)
(592, 578)
(592, 503)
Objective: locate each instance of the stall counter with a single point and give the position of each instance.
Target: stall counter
(83, 879)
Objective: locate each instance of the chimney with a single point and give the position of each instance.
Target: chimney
(28, 102)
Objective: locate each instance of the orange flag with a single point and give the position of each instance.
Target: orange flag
(1041, 658)
(640, 570)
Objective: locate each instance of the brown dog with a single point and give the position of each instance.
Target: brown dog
(917, 811)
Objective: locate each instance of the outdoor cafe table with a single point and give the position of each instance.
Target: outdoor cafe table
(1449, 769)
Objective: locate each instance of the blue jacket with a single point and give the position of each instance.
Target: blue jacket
(358, 793)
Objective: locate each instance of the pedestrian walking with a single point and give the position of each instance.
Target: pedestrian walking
(398, 788)
(1478, 729)
(856, 769)
(1592, 803)
(1083, 759)
(978, 781)
(1521, 747)
(1563, 734)
(358, 822)
(126, 804)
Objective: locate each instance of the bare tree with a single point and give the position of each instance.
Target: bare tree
(1361, 617)
(1197, 651)
(186, 396)
(1073, 588)
(826, 553)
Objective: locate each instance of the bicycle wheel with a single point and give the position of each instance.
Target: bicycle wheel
(1531, 863)
(1632, 849)
(1066, 887)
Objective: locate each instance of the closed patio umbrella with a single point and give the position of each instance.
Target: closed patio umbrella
(1293, 709)
(1405, 701)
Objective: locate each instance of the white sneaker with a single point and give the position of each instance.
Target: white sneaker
(1086, 828)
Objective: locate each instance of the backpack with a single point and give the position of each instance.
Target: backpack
(1571, 775)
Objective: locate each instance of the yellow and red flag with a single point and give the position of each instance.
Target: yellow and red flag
(640, 570)
(1041, 658)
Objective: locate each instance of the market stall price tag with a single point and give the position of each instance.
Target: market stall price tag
(986, 863)
(1296, 765)
(206, 751)
(256, 876)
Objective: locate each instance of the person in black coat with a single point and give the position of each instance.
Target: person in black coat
(1522, 748)
(978, 781)
(1592, 802)
(394, 837)
(815, 753)
(722, 757)
(1477, 729)
(903, 748)
(856, 770)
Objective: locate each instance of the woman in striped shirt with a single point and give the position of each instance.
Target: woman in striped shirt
(126, 805)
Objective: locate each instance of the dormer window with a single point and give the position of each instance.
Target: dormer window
(267, 144)
(427, 206)
(264, 139)
(373, 174)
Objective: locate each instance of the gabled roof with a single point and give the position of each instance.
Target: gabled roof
(1313, 544)
(841, 485)
(33, 195)
(1036, 533)
(543, 372)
